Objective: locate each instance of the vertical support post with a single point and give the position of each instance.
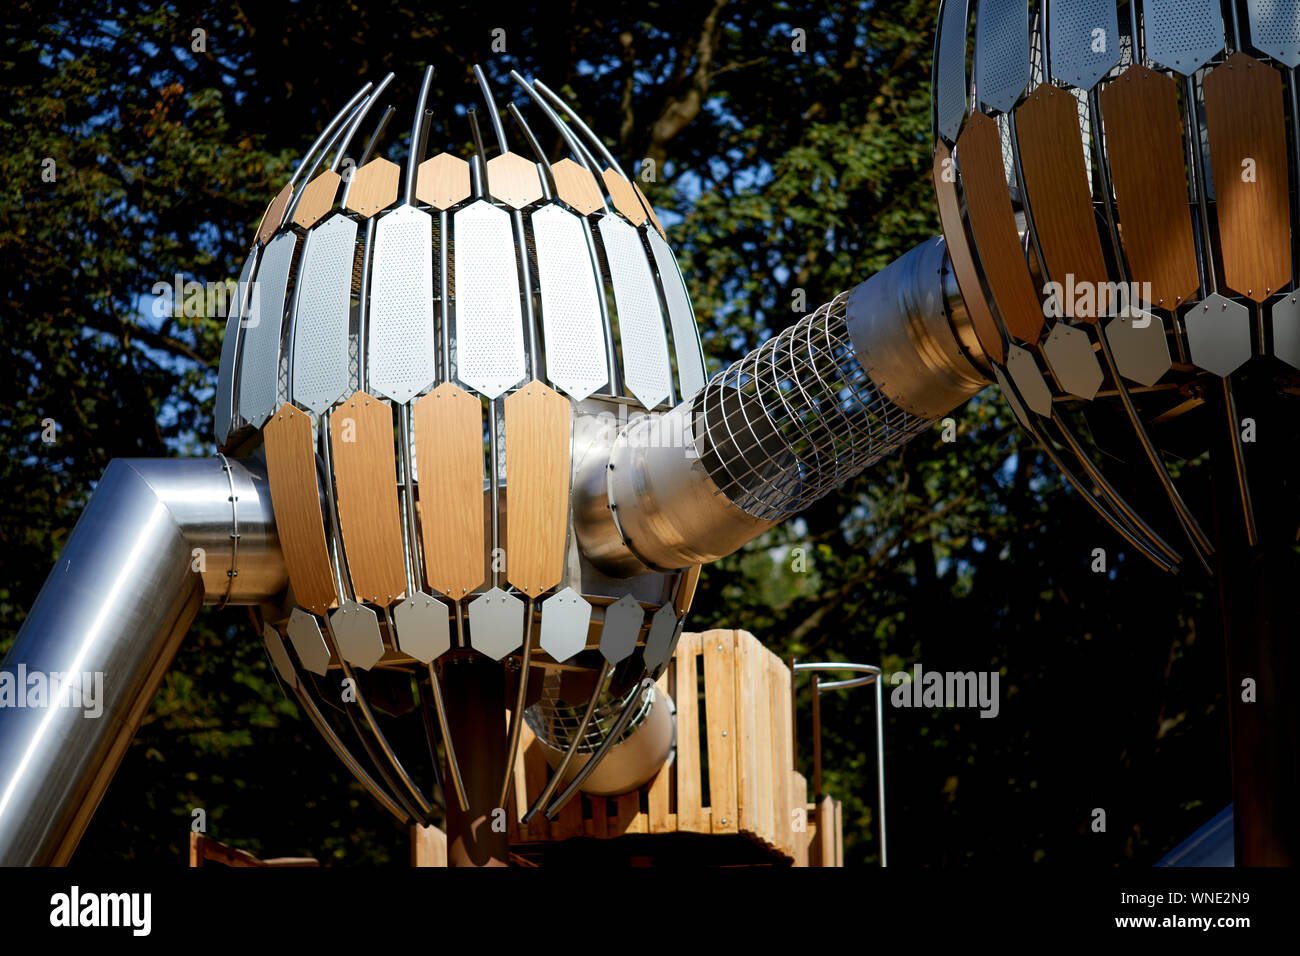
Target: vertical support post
(817, 736)
(476, 706)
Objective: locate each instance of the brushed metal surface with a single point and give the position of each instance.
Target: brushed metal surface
(496, 623)
(622, 626)
(320, 338)
(576, 361)
(260, 358)
(308, 641)
(681, 317)
(1218, 334)
(401, 347)
(225, 400)
(356, 628)
(489, 320)
(643, 339)
(1141, 349)
(566, 618)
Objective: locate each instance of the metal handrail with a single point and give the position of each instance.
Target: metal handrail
(873, 675)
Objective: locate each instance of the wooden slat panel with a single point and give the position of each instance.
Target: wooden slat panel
(598, 824)
(963, 263)
(746, 720)
(1056, 183)
(629, 818)
(537, 476)
(1246, 125)
(365, 473)
(568, 822)
(781, 723)
(765, 742)
(690, 813)
(274, 213)
(1144, 143)
(428, 846)
(291, 472)
(719, 649)
(513, 180)
(659, 818)
(374, 187)
(826, 832)
(576, 186)
(799, 791)
(442, 181)
(449, 465)
(993, 225)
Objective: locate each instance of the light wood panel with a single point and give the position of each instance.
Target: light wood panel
(365, 474)
(442, 181)
(576, 187)
(449, 465)
(537, 421)
(993, 225)
(1144, 143)
(274, 213)
(944, 176)
(1056, 185)
(622, 195)
(374, 187)
(719, 649)
(650, 211)
(660, 818)
(686, 590)
(428, 846)
(514, 180)
(690, 812)
(317, 199)
(295, 496)
(1247, 131)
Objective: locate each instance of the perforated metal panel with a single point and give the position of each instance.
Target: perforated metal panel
(1083, 36)
(1001, 52)
(489, 320)
(1275, 29)
(950, 70)
(320, 337)
(260, 360)
(1182, 34)
(571, 323)
(225, 399)
(401, 348)
(686, 332)
(646, 370)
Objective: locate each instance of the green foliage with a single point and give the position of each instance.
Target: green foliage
(781, 171)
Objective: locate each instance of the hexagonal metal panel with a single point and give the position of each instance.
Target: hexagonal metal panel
(356, 628)
(622, 625)
(496, 623)
(1218, 334)
(576, 187)
(1012, 402)
(442, 181)
(308, 641)
(1286, 328)
(659, 642)
(1069, 355)
(279, 656)
(514, 180)
(1029, 380)
(1084, 40)
(423, 628)
(317, 199)
(1138, 343)
(566, 619)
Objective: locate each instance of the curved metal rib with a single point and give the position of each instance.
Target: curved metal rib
(629, 708)
(578, 734)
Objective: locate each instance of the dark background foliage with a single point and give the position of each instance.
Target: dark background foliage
(777, 171)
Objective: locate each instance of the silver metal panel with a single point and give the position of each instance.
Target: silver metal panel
(1029, 380)
(1070, 356)
(401, 348)
(950, 70)
(1286, 329)
(222, 417)
(659, 642)
(489, 322)
(1182, 34)
(644, 341)
(1218, 334)
(566, 618)
(1001, 52)
(1275, 29)
(423, 627)
(496, 623)
(686, 331)
(356, 628)
(308, 641)
(622, 625)
(320, 336)
(1021, 415)
(279, 656)
(260, 361)
(1137, 341)
(571, 322)
(1083, 36)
